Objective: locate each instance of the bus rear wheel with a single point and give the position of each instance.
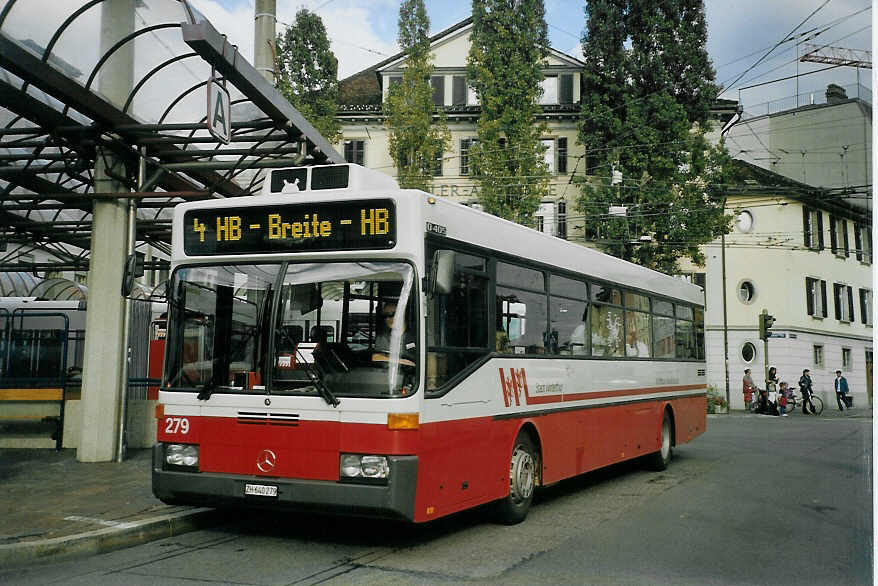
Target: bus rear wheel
(523, 470)
(659, 460)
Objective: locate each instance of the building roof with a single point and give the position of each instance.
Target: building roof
(364, 87)
(753, 180)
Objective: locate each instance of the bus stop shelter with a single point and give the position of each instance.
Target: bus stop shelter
(105, 126)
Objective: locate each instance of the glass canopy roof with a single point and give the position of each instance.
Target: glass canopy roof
(79, 78)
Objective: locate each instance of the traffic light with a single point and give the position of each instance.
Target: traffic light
(765, 323)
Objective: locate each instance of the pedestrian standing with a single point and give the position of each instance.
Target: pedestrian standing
(805, 385)
(770, 386)
(748, 389)
(841, 389)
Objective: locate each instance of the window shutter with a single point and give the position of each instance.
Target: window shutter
(438, 83)
(847, 244)
(833, 234)
(823, 298)
(850, 303)
(458, 90)
(566, 80)
(806, 226)
(562, 154)
(810, 289)
(858, 242)
(820, 245)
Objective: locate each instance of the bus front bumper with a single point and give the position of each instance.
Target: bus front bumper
(395, 500)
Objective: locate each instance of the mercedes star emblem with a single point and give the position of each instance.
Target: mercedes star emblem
(266, 460)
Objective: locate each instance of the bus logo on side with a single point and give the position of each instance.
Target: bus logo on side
(514, 386)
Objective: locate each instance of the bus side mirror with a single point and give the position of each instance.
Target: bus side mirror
(133, 269)
(442, 272)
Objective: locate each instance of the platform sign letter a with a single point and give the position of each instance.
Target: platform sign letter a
(219, 112)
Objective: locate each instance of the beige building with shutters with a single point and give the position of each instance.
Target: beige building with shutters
(365, 138)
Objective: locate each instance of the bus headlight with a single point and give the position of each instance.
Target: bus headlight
(181, 455)
(364, 468)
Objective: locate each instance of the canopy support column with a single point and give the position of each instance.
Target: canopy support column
(103, 387)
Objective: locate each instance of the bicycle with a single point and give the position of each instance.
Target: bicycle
(795, 402)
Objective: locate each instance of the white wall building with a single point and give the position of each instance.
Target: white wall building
(807, 260)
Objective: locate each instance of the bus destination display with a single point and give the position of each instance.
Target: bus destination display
(290, 228)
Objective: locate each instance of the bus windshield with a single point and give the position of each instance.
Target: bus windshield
(332, 329)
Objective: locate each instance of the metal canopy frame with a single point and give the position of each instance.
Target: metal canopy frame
(53, 129)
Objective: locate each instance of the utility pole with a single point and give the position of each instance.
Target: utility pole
(739, 111)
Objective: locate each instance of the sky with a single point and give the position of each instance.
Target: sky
(740, 33)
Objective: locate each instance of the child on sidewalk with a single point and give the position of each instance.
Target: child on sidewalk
(782, 398)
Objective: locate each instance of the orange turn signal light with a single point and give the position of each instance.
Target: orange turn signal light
(402, 421)
(159, 410)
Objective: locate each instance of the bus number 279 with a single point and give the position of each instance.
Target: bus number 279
(177, 425)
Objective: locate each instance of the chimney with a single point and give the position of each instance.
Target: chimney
(835, 94)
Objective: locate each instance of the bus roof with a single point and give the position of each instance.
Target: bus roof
(485, 230)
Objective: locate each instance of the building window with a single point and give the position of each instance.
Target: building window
(458, 90)
(565, 81)
(746, 292)
(813, 228)
(748, 352)
(437, 165)
(354, 152)
(866, 306)
(744, 221)
(549, 86)
(863, 243)
(838, 236)
(818, 356)
(465, 145)
(562, 220)
(549, 153)
(846, 359)
(438, 84)
(545, 215)
(562, 154)
(843, 296)
(815, 294)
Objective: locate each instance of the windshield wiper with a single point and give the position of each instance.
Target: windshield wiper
(314, 374)
(207, 390)
(210, 386)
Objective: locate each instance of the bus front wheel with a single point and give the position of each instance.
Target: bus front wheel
(659, 460)
(523, 469)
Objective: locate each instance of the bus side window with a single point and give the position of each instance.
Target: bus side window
(457, 323)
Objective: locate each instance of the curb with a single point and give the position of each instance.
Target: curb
(104, 540)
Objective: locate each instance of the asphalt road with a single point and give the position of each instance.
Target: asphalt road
(756, 500)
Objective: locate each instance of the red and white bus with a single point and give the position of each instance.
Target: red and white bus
(342, 345)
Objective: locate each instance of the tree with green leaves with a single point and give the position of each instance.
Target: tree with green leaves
(504, 66)
(655, 191)
(307, 73)
(418, 134)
